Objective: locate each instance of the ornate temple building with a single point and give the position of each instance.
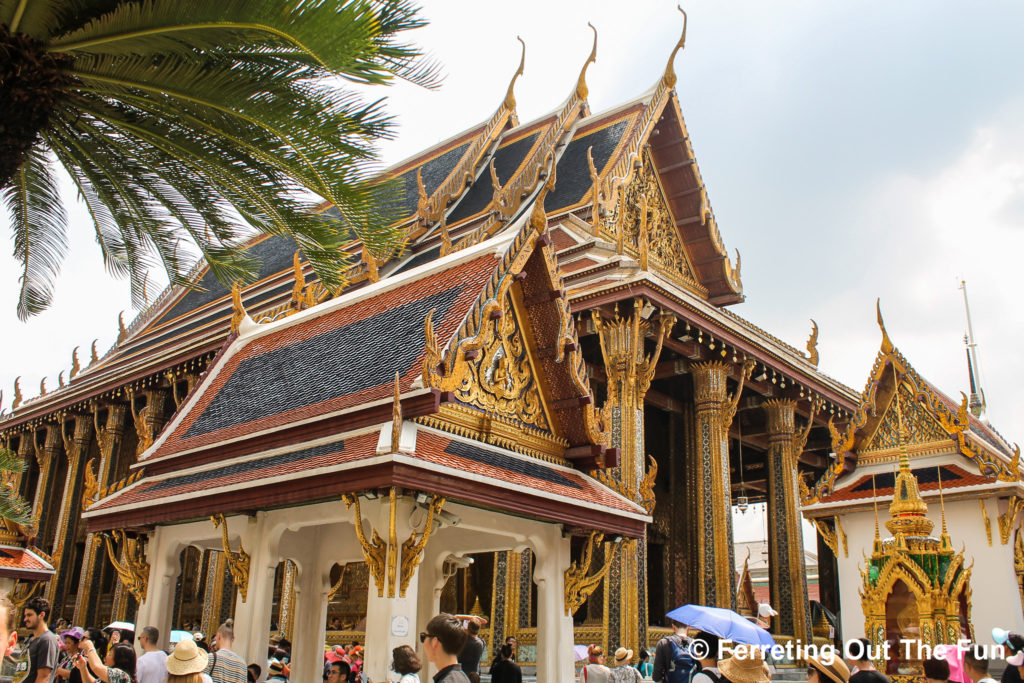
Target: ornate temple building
(909, 448)
(540, 409)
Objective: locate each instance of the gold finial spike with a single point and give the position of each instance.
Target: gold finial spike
(237, 309)
(581, 82)
(396, 417)
(75, 365)
(887, 345)
(942, 502)
(670, 72)
(874, 501)
(510, 99)
(903, 436)
(300, 281)
(812, 344)
(60, 380)
(121, 331)
(94, 355)
(42, 387)
(17, 393)
(370, 260)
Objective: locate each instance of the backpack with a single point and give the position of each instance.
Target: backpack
(682, 663)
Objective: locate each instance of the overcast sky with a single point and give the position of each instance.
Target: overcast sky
(850, 150)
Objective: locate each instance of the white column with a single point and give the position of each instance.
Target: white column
(314, 582)
(156, 610)
(390, 622)
(252, 617)
(554, 627)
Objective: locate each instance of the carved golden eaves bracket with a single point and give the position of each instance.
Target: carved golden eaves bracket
(130, 562)
(578, 585)
(382, 557)
(238, 562)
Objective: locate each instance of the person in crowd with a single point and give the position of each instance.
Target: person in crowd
(936, 670)
(672, 660)
(864, 670)
(705, 648)
(278, 671)
(225, 666)
(1014, 645)
(66, 670)
(43, 646)
(747, 666)
(151, 666)
(340, 671)
(254, 672)
(8, 626)
(406, 664)
(186, 663)
(119, 667)
(645, 666)
(827, 670)
(621, 671)
(443, 642)
(976, 667)
(506, 670)
(595, 671)
(472, 651)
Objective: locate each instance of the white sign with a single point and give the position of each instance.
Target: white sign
(400, 626)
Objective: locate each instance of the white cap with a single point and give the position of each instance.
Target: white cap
(765, 610)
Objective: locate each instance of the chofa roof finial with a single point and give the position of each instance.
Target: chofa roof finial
(670, 73)
(510, 99)
(581, 82)
(887, 345)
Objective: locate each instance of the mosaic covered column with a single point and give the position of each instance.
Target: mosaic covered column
(75, 447)
(109, 438)
(788, 577)
(213, 596)
(45, 456)
(713, 414)
(629, 373)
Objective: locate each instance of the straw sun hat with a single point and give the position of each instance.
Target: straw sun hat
(186, 659)
(834, 669)
(748, 669)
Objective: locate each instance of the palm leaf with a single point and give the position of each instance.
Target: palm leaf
(39, 224)
(12, 506)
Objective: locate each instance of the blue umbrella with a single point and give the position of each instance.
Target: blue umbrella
(177, 636)
(723, 623)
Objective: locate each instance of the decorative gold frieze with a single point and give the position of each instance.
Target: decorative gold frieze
(629, 369)
(495, 429)
(578, 585)
(23, 590)
(826, 529)
(238, 562)
(133, 569)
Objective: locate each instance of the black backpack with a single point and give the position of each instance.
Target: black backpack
(682, 663)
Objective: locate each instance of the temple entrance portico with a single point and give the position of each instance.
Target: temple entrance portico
(317, 536)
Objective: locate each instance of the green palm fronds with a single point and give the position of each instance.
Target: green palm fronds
(12, 506)
(184, 124)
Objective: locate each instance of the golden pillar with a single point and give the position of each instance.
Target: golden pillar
(76, 446)
(629, 370)
(286, 607)
(714, 410)
(787, 572)
(26, 450)
(90, 583)
(45, 456)
(213, 599)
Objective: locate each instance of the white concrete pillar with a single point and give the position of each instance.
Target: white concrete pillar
(390, 621)
(252, 617)
(314, 582)
(162, 552)
(554, 626)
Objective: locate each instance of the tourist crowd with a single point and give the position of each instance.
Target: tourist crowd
(87, 655)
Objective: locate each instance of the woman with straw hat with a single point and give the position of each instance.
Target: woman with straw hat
(745, 666)
(186, 663)
(621, 671)
(827, 670)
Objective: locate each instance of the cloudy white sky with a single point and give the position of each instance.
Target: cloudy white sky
(851, 151)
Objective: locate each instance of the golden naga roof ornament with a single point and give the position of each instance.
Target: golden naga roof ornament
(237, 309)
(670, 73)
(75, 365)
(812, 344)
(887, 345)
(122, 333)
(17, 393)
(42, 387)
(510, 99)
(372, 272)
(94, 356)
(581, 82)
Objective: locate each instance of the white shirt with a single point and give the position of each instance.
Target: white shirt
(151, 667)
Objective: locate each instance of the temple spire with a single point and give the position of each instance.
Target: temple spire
(977, 401)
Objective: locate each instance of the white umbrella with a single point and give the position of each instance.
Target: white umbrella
(120, 626)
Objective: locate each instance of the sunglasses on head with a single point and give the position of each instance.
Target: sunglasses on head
(424, 635)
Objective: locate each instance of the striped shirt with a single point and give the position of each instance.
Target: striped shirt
(227, 667)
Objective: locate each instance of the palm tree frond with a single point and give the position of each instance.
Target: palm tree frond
(39, 224)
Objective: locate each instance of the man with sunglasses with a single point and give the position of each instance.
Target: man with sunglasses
(151, 666)
(442, 642)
